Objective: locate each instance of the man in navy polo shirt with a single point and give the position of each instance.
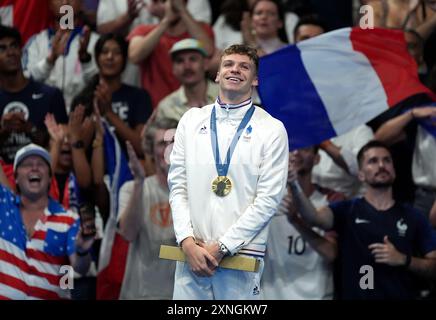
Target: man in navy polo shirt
(24, 103)
(383, 244)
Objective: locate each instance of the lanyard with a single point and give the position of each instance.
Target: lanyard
(223, 168)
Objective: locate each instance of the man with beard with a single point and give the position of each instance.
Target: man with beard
(150, 45)
(189, 67)
(382, 243)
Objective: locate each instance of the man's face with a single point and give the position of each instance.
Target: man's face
(307, 31)
(10, 56)
(377, 168)
(303, 160)
(237, 73)
(189, 67)
(33, 177)
(163, 138)
(55, 6)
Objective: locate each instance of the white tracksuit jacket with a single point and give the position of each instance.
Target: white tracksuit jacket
(68, 73)
(258, 170)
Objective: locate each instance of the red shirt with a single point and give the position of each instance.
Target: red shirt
(28, 16)
(156, 71)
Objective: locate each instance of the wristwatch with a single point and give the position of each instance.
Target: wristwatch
(223, 249)
(78, 144)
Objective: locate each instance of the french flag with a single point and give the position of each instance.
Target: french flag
(328, 85)
(114, 248)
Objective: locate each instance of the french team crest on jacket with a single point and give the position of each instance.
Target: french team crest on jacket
(203, 130)
(401, 227)
(247, 133)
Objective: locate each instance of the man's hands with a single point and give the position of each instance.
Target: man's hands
(386, 253)
(425, 113)
(57, 133)
(201, 261)
(133, 8)
(170, 14)
(58, 45)
(15, 121)
(84, 55)
(103, 98)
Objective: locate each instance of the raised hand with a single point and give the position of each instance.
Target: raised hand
(178, 6)
(134, 164)
(425, 113)
(134, 7)
(99, 128)
(103, 98)
(75, 123)
(83, 43)
(55, 130)
(58, 45)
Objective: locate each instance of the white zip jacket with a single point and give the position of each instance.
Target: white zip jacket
(68, 73)
(258, 170)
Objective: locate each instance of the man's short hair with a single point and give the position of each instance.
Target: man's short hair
(242, 49)
(370, 145)
(10, 32)
(148, 139)
(311, 19)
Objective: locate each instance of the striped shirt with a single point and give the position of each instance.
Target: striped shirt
(30, 267)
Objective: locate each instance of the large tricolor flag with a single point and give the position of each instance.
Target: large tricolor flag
(328, 85)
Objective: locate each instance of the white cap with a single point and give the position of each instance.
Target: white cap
(188, 44)
(31, 150)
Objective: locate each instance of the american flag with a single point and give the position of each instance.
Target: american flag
(30, 267)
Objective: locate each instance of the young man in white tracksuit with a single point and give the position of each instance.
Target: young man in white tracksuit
(227, 177)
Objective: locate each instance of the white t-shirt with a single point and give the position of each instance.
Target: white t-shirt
(423, 166)
(109, 10)
(147, 276)
(293, 270)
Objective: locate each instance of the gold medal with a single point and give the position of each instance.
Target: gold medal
(222, 186)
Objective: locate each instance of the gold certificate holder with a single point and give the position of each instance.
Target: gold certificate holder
(222, 186)
(237, 262)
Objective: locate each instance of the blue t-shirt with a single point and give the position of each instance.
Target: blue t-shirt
(358, 225)
(35, 101)
(132, 105)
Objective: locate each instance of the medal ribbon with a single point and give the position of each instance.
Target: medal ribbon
(223, 168)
